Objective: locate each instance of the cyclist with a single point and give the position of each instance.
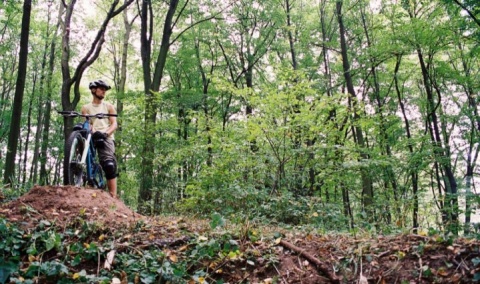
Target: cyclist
(103, 132)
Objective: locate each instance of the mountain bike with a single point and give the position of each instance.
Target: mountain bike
(81, 165)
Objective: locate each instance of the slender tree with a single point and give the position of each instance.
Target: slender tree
(29, 127)
(152, 86)
(42, 102)
(120, 48)
(339, 126)
(44, 176)
(367, 186)
(153, 81)
(14, 134)
(434, 118)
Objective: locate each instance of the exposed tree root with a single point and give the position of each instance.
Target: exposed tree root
(318, 264)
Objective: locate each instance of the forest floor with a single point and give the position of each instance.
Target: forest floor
(265, 255)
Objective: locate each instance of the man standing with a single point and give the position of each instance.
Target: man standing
(103, 130)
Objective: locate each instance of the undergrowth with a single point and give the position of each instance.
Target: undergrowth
(76, 254)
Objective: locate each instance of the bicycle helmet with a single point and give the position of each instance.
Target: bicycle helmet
(99, 83)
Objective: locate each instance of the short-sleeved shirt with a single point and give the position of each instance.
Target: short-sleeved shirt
(108, 152)
(99, 124)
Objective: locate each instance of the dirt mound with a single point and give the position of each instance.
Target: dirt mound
(64, 204)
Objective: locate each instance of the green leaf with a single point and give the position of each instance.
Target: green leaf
(76, 261)
(32, 249)
(148, 278)
(53, 268)
(50, 242)
(427, 271)
(476, 276)
(53, 241)
(6, 268)
(217, 221)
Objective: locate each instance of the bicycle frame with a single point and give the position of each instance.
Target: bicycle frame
(89, 155)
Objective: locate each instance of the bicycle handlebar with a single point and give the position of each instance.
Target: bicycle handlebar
(77, 114)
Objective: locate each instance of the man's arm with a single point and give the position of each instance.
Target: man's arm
(84, 111)
(112, 119)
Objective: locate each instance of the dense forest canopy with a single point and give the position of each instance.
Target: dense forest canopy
(342, 114)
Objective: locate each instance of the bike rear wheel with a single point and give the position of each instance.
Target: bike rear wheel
(73, 172)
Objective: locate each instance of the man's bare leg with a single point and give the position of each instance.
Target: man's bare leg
(112, 186)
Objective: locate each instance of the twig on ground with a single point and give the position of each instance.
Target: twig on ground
(280, 274)
(387, 252)
(98, 263)
(421, 267)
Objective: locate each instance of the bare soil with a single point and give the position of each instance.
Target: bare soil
(63, 204)
(301, 257)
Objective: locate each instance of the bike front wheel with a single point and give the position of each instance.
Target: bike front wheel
(98, 179)
(73, 171)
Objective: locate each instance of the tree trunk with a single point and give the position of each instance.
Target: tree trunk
(367, 187)
(472, 156)
(29, 127)
(205, 83)
(146, 28)
(40, 105)
(152, 86)
(44, 178)
(450, 210)
(9, 175)
(390, 179)
(413, 168)
(36, 148)
(291, 41)
(120, 84)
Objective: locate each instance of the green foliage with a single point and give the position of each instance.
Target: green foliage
(11, 249)
(82, 246)
(151, 266)
(12, 241)
(51, 269)
(16, 245)
(44, 241)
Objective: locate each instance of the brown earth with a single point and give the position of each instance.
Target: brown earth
(299, 257)
(62, 204)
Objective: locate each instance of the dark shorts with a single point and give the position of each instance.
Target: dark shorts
(107, 152)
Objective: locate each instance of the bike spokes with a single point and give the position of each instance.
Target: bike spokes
(74, 171)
